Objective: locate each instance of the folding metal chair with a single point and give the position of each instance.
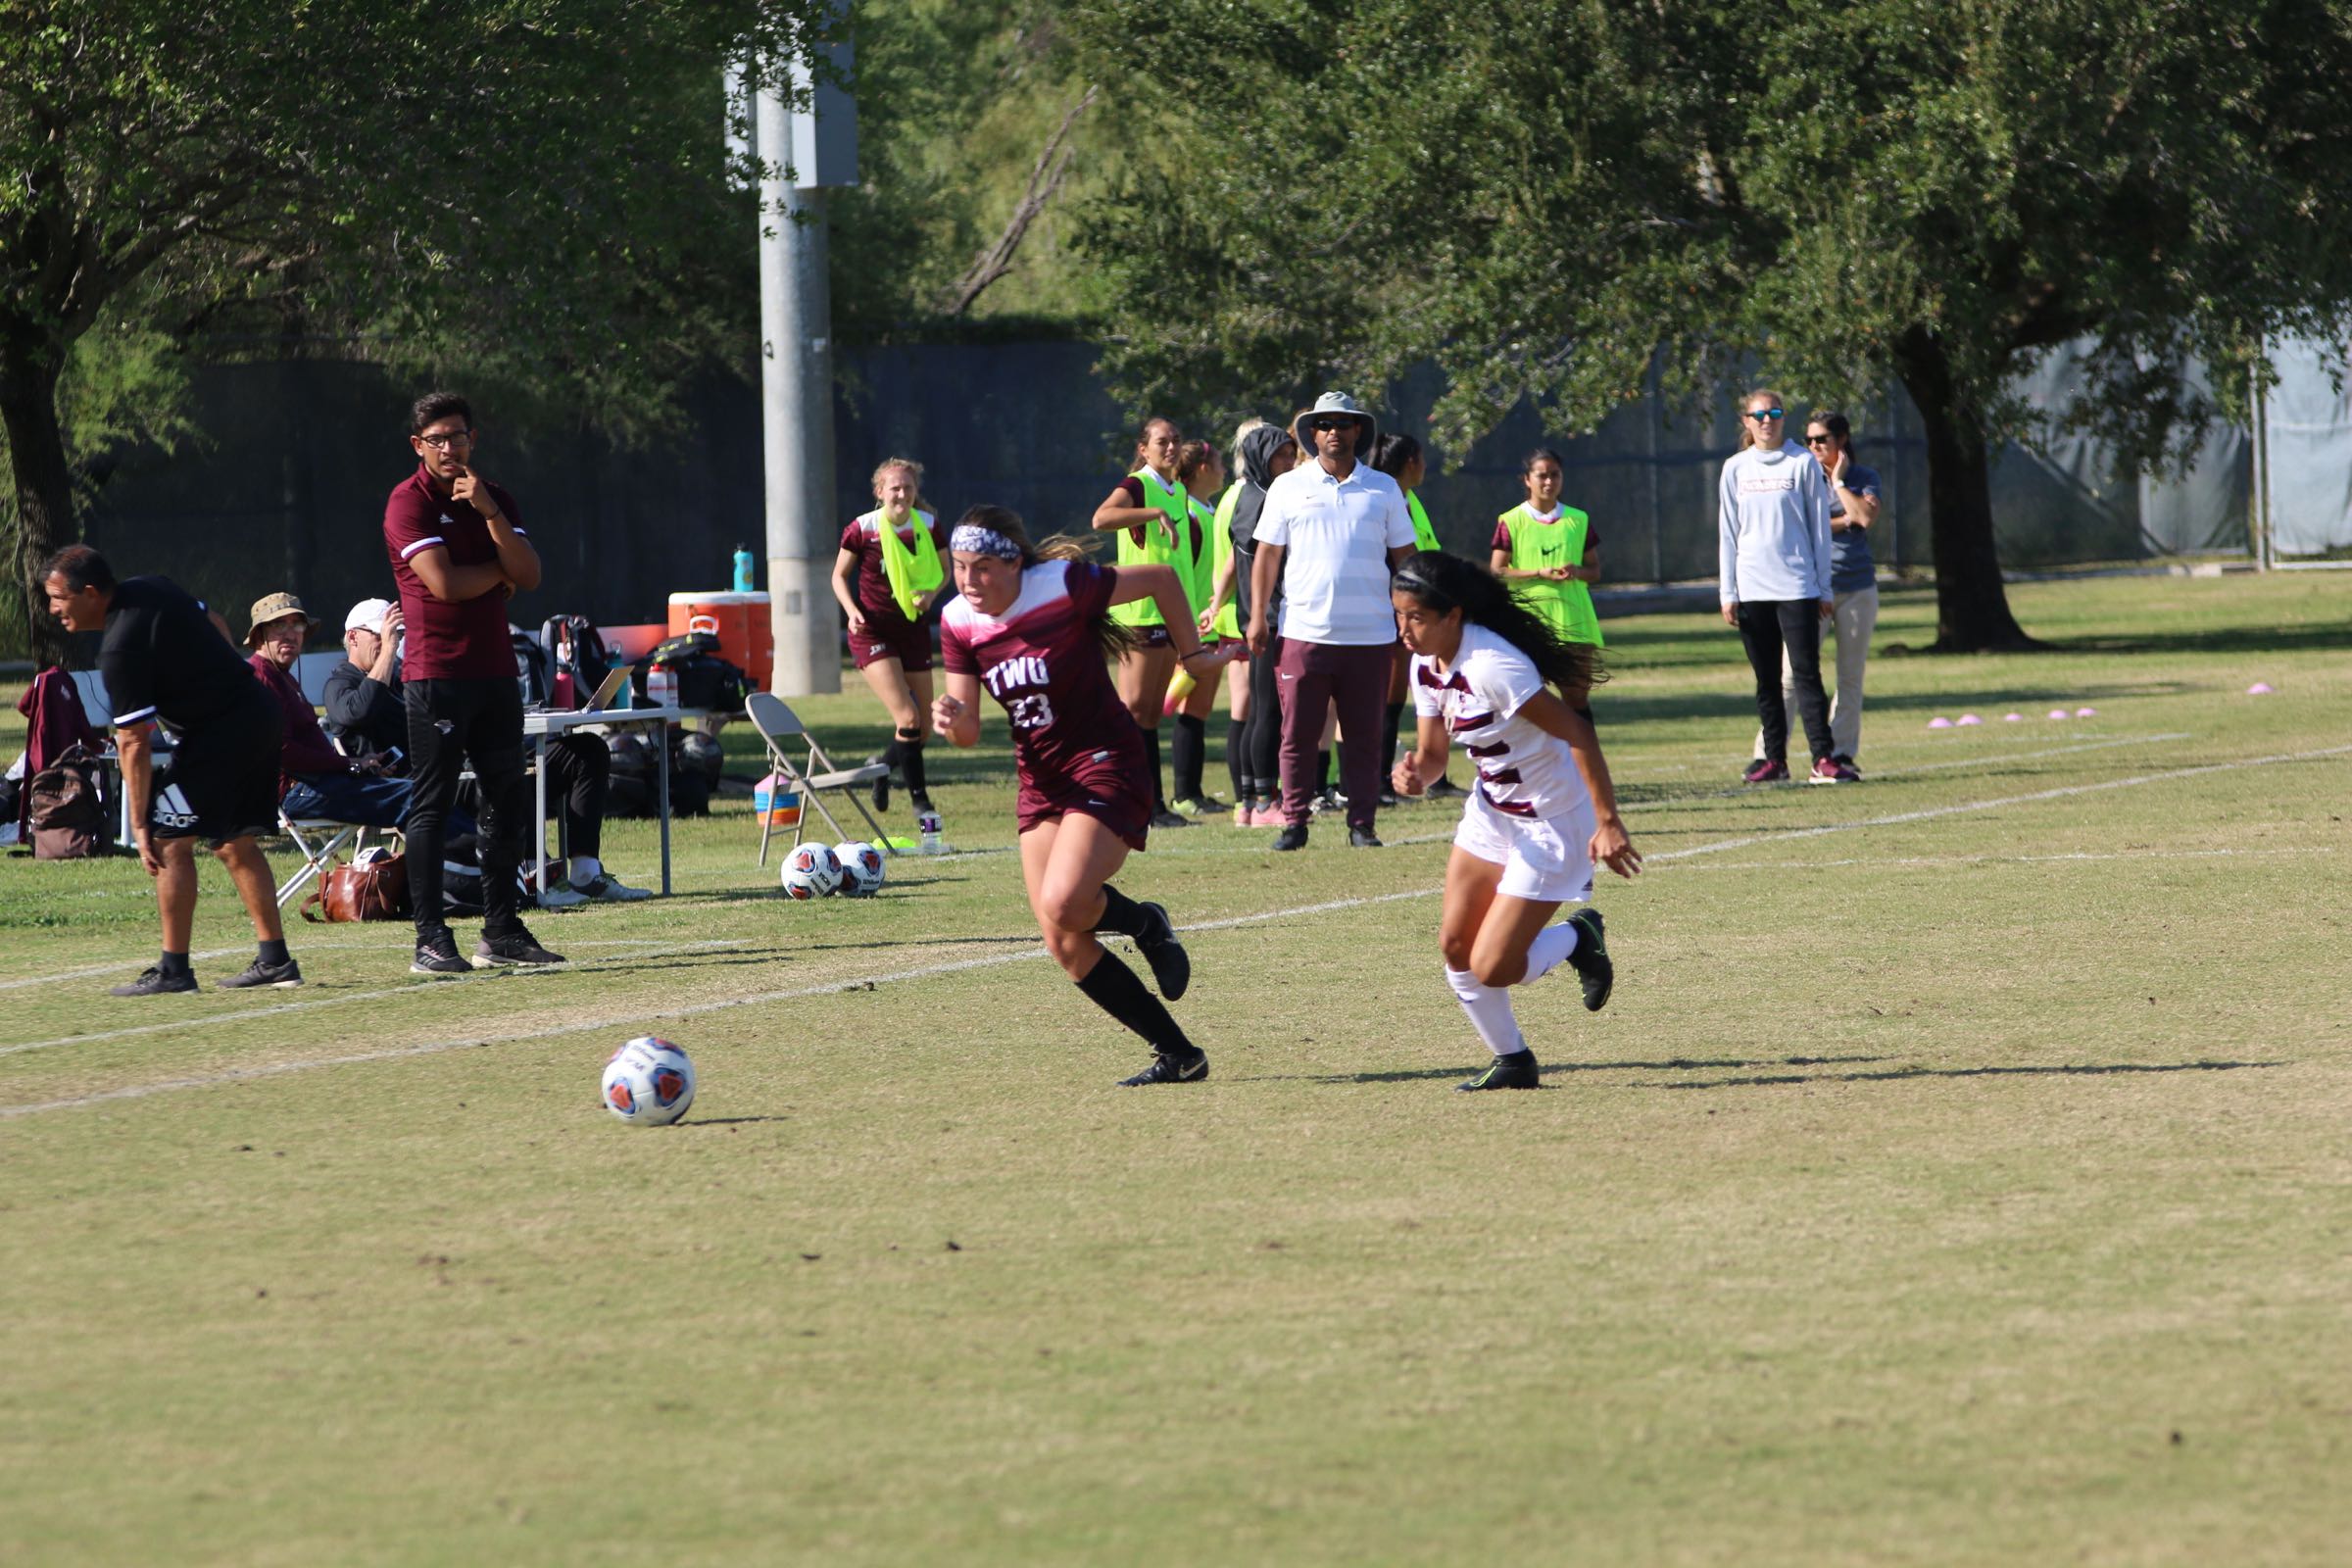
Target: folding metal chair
(814, 774)
(320, 839)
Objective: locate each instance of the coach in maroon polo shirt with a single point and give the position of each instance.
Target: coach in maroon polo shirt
(459, 553)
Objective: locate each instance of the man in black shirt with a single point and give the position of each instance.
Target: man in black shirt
(164, 661)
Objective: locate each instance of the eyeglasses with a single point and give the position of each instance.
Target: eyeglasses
(1321, 425)
(442, 443)
(1764, 416)
(1819, 440)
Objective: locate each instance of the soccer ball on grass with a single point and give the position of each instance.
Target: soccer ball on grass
(811, 872)
(648, 1082)
(861, 868)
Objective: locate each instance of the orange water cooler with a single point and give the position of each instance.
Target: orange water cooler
(745, 636)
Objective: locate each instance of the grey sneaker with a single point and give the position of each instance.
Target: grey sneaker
(262, 972)
(437, 953)
(153, 982)
(606, 888)
(517, 945)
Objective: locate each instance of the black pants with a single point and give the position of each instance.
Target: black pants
(580, 773)
(451, 722)
(1766, 626)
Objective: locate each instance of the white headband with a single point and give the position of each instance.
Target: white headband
(974, 540)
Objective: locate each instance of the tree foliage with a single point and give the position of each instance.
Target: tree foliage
(531, 188)
(1548, 196)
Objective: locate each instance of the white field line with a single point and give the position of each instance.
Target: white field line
(308, 948)
(205, 1023)
(1904, 861)
(992, 960)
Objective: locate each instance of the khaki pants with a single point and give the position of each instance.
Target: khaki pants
(1855, 616)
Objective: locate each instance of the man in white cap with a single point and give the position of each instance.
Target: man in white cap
(1330, 534)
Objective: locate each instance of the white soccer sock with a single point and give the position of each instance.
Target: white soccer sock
(1553, 944)
(586, 869)
(1490, 1011)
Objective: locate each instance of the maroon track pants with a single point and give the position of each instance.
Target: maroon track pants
(1310, 677)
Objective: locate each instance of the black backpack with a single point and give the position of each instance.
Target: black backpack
(531, 671)
(575, 648)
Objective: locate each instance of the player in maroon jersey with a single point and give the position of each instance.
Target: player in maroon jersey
(1032, 625)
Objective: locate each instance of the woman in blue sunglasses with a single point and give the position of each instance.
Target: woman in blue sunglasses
(1773, 557)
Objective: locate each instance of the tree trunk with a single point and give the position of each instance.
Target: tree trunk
(1972, 606)
(43, 483)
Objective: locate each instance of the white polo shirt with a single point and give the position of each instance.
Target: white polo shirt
(1336, 536)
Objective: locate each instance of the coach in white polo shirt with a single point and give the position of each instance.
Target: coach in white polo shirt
(1331, 533)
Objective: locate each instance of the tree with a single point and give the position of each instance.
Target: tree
(536, 187)
(1548, 196)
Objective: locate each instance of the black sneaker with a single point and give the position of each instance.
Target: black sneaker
(1171, 966)
(515, 947)
(1445, 789)
(1293, 837)
(262, 972)
(1363, 838)
(1515, 1071)
(153, 982)
(882, 784)
(1162, 816)
(1591, 960)
(437, 953)
(1169, 1069)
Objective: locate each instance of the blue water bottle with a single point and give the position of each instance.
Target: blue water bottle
(743, 570)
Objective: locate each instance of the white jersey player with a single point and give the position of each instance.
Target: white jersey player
(1542, 814)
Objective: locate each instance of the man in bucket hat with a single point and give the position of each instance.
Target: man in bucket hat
(1330, 534)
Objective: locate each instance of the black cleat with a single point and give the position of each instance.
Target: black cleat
(1515, 1071)
(262, 972)
(437, 953)
(1170, 1069)
(1162, 816)
(515, 947)
(1363, 838)
(1171, 966)
(1293, 837)
(153, 982)
(1591, 960)
(882, 784)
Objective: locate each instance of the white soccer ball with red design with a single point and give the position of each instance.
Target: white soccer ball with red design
(861, 869)
(811, 872)
(648, 1082)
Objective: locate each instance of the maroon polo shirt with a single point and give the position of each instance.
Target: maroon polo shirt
(445, 641)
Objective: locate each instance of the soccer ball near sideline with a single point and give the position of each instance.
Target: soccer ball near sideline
(648, 1082)
(810, 871)
(861, 869)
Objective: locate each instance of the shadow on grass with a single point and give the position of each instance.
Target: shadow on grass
(692, 1122)
(2219, 640)
(1673, 1064)
(2078, 1069)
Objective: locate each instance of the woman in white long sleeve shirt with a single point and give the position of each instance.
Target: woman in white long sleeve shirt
(1774, 570)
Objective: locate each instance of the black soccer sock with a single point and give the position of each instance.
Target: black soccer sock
(1113, 987)
(275, 952)
(1151, 756)
(1323, 779)
(174, 963)
(1394, 718)
(911, 769)
(1233, 759)
(890, 755)
(1191, 752)
(1120, 913)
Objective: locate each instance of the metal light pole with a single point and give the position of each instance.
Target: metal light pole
(803, 151)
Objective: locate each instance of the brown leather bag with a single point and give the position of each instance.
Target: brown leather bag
(375, 892)
(66, 819)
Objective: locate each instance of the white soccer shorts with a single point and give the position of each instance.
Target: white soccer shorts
(1544, 859)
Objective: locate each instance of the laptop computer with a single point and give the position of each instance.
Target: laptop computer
(606, 689)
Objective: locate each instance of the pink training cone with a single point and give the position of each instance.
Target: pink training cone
(2086, 712)
(1939, 723)
(2060, 712)
(1969, 718)
(2261, 688)
(2013, 718)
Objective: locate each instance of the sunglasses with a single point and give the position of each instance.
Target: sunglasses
(1764, 416)
(1819, 440)
(1321, 425)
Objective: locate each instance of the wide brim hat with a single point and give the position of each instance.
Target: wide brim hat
(276, 607)
(1328, 404)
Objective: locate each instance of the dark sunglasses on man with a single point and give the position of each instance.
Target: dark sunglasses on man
(1319, 426)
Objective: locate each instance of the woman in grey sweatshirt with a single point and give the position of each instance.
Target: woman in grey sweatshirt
(1774, 571)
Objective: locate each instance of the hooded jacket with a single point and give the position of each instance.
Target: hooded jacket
(1257, 471)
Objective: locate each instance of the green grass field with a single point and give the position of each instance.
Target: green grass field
(1961, 1174)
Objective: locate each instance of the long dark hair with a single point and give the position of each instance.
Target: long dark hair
(1394, 451)
(1439, 582)
(1114, 638)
